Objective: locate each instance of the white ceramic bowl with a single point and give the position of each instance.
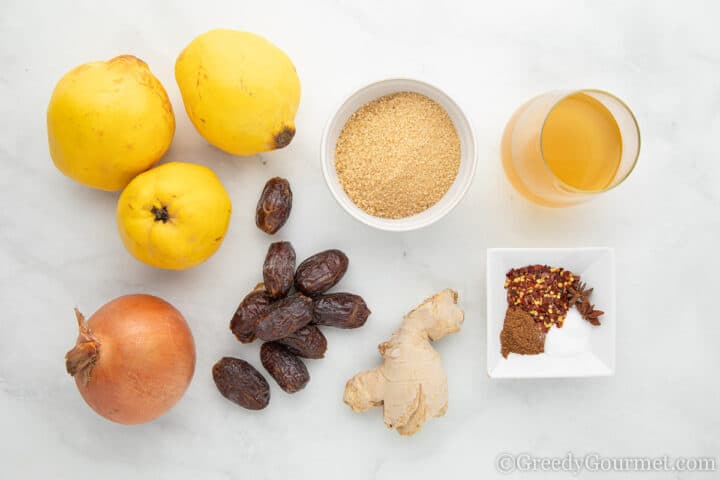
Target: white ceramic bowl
(467, 153)
(578, 349)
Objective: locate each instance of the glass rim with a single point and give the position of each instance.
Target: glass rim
(613, 184)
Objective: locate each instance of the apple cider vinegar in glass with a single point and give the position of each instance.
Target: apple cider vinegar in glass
(563, 148)
(581, 142)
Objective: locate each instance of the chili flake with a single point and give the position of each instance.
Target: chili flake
(541, 291)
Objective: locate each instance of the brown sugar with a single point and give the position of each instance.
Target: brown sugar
(521, 334)
(398, 155)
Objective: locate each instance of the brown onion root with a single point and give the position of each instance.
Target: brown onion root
(82, 358)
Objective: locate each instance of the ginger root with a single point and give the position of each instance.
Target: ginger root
(411, 384)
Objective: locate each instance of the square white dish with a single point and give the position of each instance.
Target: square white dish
(578, 349)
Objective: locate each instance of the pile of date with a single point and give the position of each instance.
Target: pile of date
(284, 311)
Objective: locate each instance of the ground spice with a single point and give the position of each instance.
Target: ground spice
(398, 155)
(521, 334)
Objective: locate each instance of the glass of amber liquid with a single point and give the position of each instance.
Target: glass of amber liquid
(566, 147)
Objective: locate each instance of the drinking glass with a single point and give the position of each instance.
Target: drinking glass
(526, 166)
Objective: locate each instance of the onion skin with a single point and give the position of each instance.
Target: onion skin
(134, 358)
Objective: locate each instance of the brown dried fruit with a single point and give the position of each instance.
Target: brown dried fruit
(287, 369)
(253, 306)
(273, 208)
(285, 317)
(320, 272)
(342, 310)
(240, 382)
(279, 269)
(308, 342)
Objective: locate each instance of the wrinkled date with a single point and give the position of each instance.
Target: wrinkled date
(320, 272)
(279, 269)
(342, 310)
(253, 306)
(240, 382)
(287, 369)
(273, 208)
(285, 317)
(308, 342)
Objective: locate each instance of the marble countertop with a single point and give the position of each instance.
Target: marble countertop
(59, 246)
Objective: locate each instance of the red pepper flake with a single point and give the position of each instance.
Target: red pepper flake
(542, 291)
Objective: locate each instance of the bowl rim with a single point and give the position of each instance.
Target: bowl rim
(387, 224)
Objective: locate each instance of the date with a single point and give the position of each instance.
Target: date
(308, 342)
(320, 272)
(342, 310)
(273, 207)
(279, 269)
(287, 369)
(285, 317)
(252, 307)
(240, 382)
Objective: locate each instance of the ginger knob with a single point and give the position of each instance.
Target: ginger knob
(411, 384)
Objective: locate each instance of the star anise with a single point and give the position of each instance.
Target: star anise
(578, 293)
(588, 312)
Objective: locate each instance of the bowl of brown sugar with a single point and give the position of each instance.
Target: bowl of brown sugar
(398, 154)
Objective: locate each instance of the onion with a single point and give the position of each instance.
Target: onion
(134, 358)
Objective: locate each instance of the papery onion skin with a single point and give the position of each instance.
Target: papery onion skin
(134, 358)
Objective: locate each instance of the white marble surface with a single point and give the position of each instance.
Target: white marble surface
(59, 247)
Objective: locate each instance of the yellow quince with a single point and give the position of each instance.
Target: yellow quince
(240, 91)
(109, 121)
(174, 216)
